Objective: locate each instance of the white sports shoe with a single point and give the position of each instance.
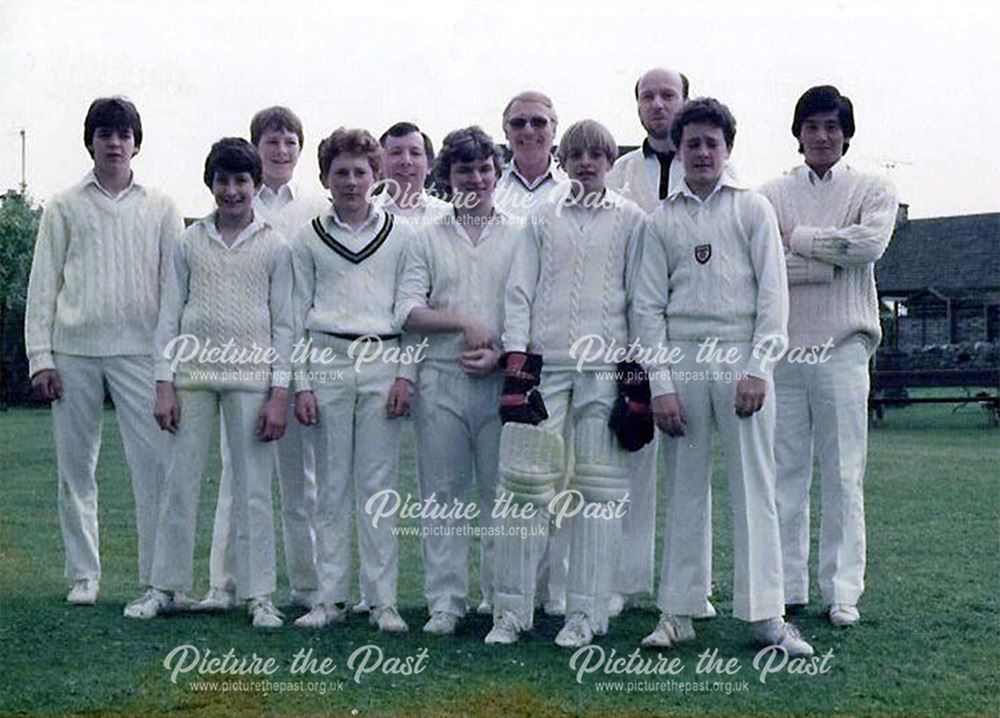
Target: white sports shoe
(670, 630)
(844, 615)
(265, 615)
(442, 623)
(709, 611)
(776, 632)
(84, 592)
(388, 620)
(616, 604)
(485, 608)
(576, 632)
(505, 630)
(321, 616)
(149, 605)
(217, 599)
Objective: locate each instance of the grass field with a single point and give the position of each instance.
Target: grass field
(928, 644)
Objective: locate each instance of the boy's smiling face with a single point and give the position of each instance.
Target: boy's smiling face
(233, 192)
(279, 152)
(588, 166)
(704, 153)
(349, 179)
(473, 181)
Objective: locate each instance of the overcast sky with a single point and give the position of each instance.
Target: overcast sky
(922, 77)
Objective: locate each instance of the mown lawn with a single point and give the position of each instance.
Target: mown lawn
(928, 643)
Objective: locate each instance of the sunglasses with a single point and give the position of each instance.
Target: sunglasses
(519, 123)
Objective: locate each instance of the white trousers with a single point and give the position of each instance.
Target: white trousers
(708, 393)
(458, 443)
(252, 511)
(823, 406)
(357, 455)
(296, 470)
(76, 427)
(635, 568)
(580, 402)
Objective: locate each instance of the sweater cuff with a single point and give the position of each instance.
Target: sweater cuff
(162, 371)
(302, 382)
(660, 382)
(281, 378)
(40, 361)
(801, 241)
(807, 271)
(408, 372)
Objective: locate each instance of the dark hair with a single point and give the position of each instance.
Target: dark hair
(402, 129)
(275, 118)
(707, 110)
(685, 85)
(824, 98)
(465, 145)
(351, 142)
(232, 154)
(115, 112)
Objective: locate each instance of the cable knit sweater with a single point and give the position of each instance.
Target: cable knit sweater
(836, 228)
(96, 275)
(711, 269)
(571, 279)
(240, 294)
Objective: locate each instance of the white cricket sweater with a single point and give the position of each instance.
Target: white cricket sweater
(837, 228)
(217, 295)
(96, 276)
(445, 269)
(711, 269)
(345, 279)
(288, 209)
(571, 278)
(636, 175)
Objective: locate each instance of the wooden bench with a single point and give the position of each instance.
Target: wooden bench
(889, 388)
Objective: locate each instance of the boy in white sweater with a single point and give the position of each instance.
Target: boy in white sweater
(347, 264)
(711, 288)
(277, 134)
(453, 290)
(96, 278)
(568, 285)
(835, 224)
(229, 289)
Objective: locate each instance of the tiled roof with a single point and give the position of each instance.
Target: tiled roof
(947, 253)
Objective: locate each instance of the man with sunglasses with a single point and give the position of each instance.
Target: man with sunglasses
(531, 176)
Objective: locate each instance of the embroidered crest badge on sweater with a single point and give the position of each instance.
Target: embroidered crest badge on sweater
(703, 253)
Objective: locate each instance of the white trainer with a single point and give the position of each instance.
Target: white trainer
(776, 632)
(485, 608)
(321, 616)
(217, 599)
(576, 632)
(670, 630)
(505, 631)
(442, 623)
(709, 611)
(388, 620)
(84, 592)
(844, 615)
(265, 615)
(361, 607)
(149, 605)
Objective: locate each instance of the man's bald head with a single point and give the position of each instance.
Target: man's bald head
(659, 95)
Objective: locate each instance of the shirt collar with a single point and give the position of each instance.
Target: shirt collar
(539, 181)
(271, 199)
(91, 178)
(831, 174)
(373, 216)
(648, 151)
(208, 223)
(681, 189)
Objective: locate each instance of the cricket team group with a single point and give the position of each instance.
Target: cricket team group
(500, 280)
